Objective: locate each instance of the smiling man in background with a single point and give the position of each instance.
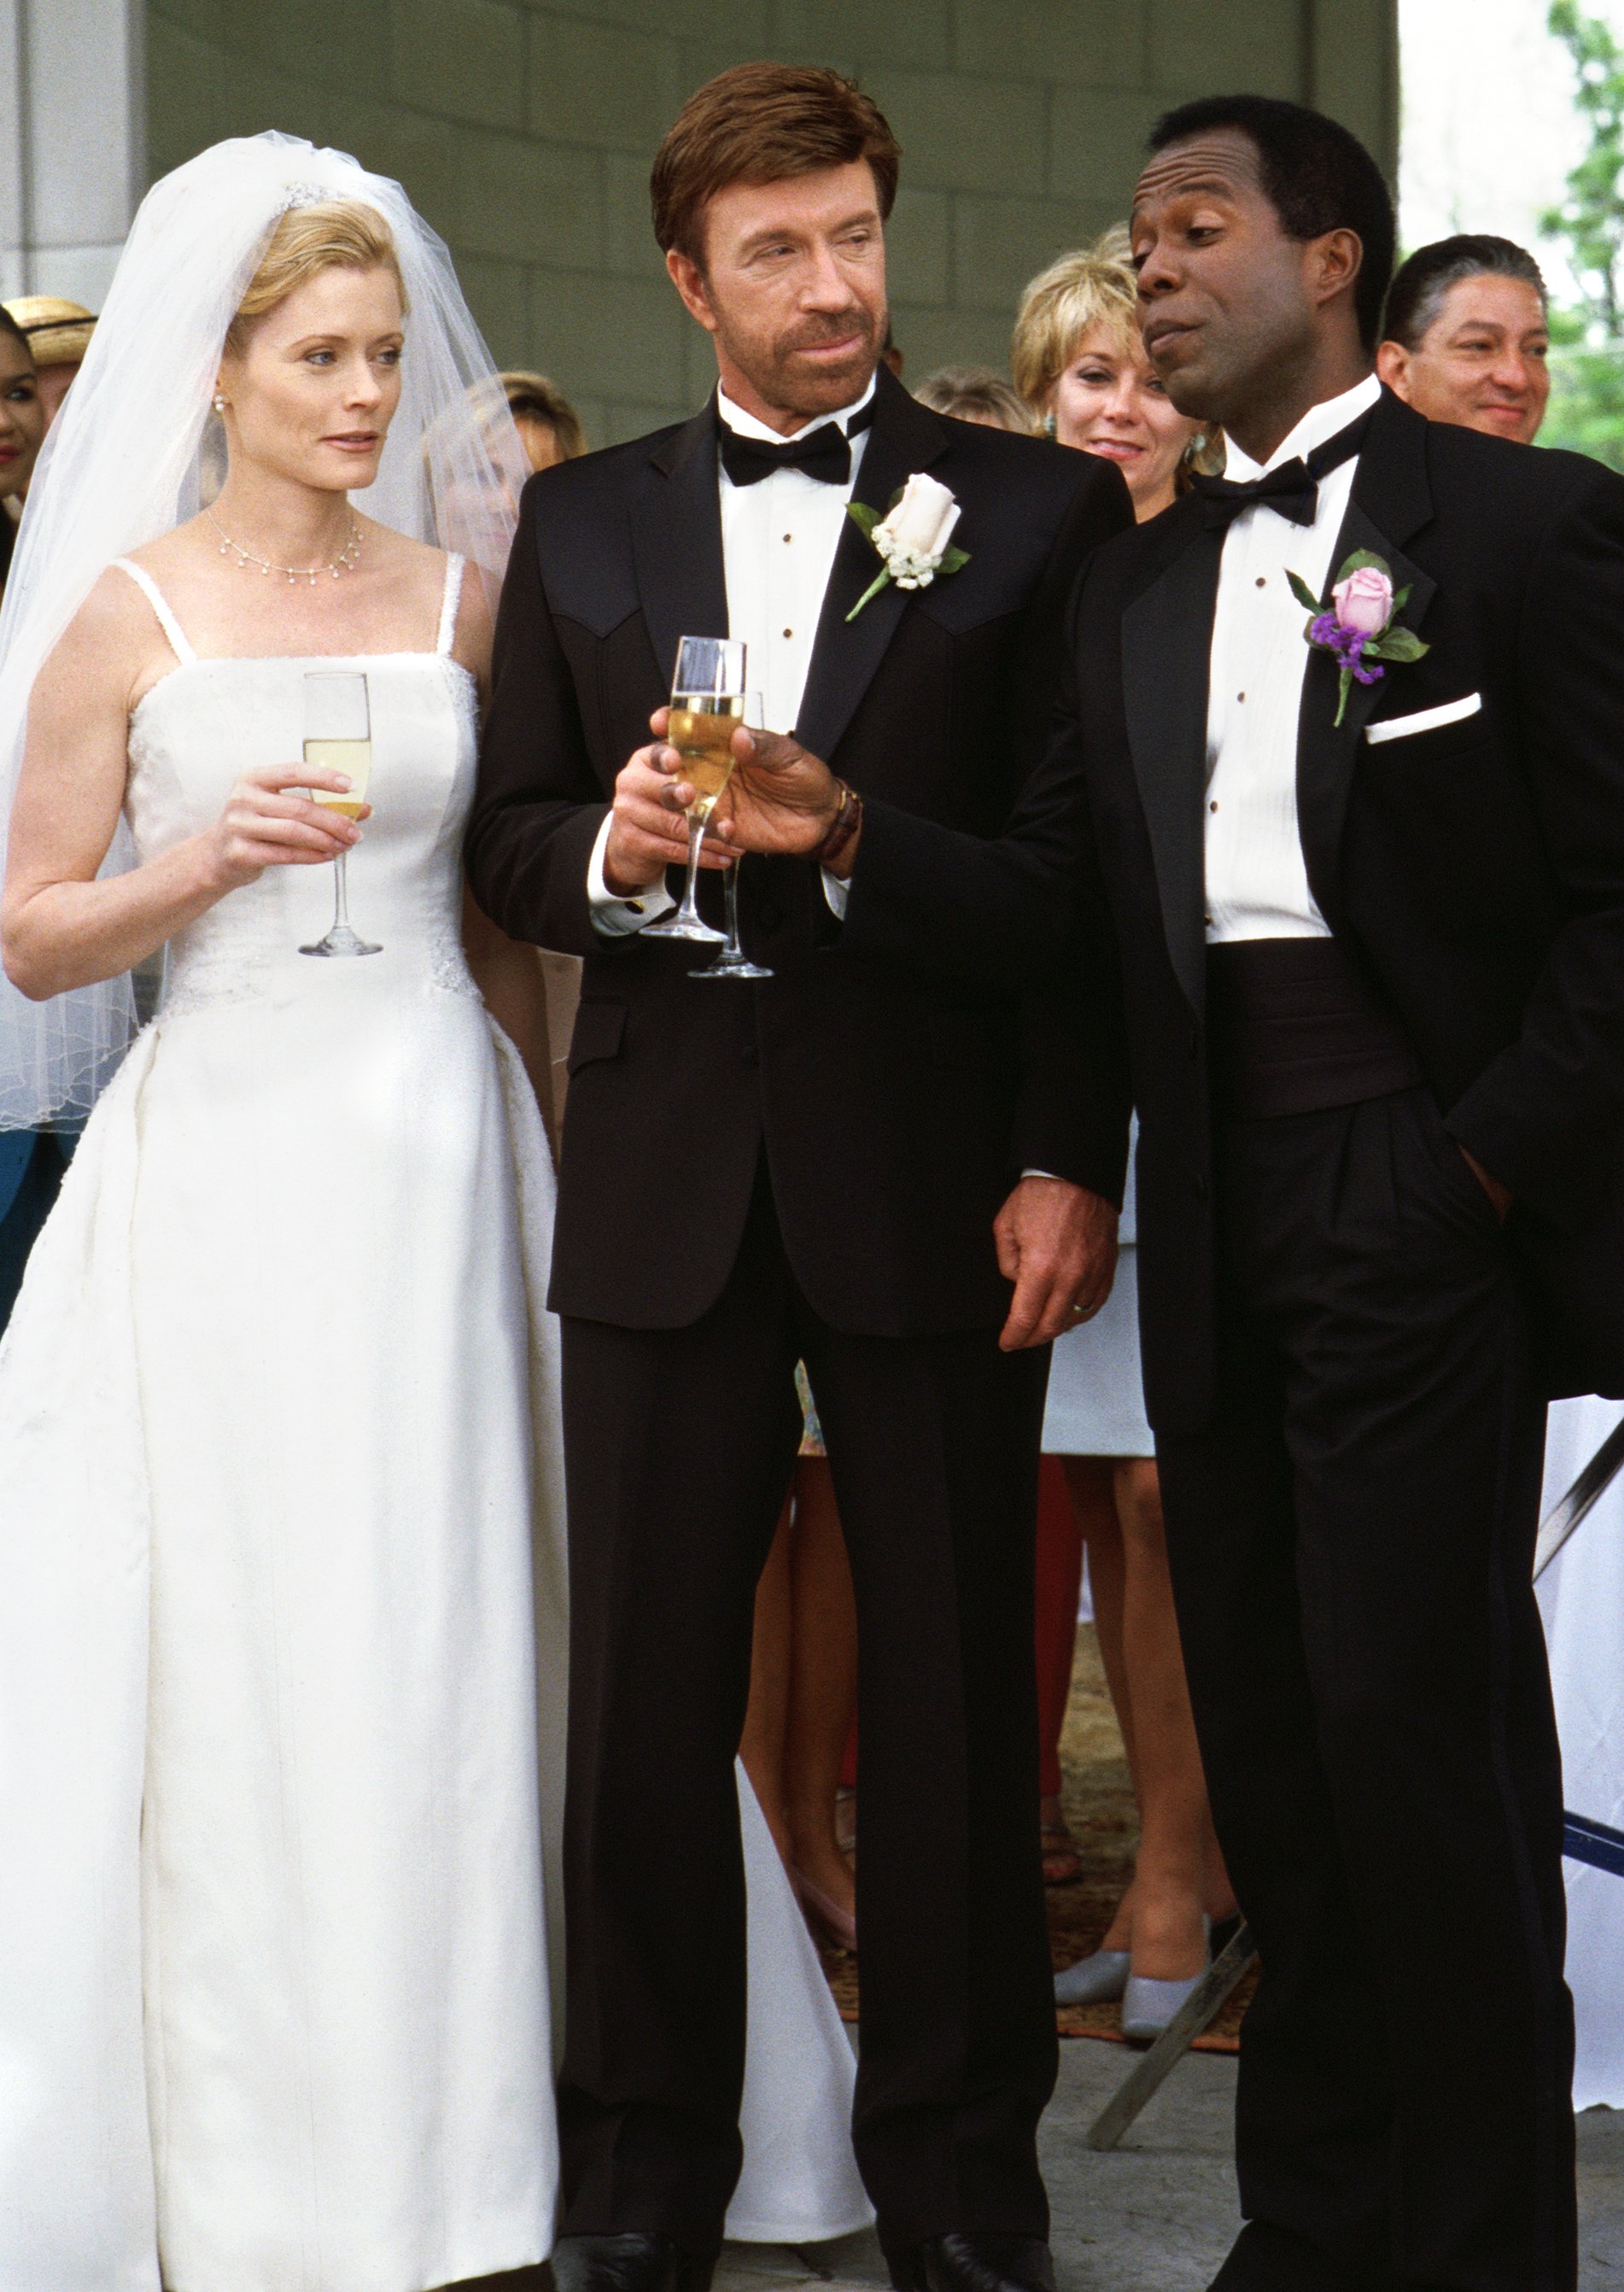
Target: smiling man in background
(1466, 338)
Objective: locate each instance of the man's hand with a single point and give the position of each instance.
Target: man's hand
(650, 833)
(1057, 1243)
(1499, 1195)
(782, 798)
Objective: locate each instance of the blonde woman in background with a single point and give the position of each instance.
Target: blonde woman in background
(549, 426)
(1080, 368)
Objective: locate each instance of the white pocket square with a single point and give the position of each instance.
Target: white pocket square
(1425, 720)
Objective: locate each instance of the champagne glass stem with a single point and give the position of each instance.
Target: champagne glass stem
(341, 892)
(696, 838)
(733, 948)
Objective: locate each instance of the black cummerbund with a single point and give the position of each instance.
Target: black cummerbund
(1292, 1027)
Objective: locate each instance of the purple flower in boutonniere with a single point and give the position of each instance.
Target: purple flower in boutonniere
(1358, 627)
(913, 537)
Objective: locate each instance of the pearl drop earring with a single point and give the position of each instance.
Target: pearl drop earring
(219, 403)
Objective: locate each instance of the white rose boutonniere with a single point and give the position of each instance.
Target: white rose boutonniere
(912, 537)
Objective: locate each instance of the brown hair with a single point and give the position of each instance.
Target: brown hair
(976, 393)
(761, 123)
(331, 235)
(532, 398)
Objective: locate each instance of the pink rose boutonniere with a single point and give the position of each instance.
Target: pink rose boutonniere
(1358, 628)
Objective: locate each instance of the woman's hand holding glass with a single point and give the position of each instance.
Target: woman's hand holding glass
(269, 822)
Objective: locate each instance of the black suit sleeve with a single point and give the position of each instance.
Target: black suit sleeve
(966, 907)
(537, 804)
(1027, 911)
(1546, 1116)
(1058, 1056)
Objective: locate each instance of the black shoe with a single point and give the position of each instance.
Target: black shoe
(633, 2262)
(964, 2262)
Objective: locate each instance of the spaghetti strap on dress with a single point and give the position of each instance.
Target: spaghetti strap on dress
(180, 644)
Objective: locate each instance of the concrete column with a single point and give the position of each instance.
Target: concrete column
(72, 142)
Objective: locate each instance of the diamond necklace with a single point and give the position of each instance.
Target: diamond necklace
(342, 563)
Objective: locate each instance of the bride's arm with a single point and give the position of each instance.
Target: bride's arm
(59, 926)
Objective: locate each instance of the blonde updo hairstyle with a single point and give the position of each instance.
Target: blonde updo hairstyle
(1094, 287)
(330, 235)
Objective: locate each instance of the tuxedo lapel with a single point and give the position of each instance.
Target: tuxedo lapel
(676, 542)
(906, 437)
(1166, 647)
(1391, 502)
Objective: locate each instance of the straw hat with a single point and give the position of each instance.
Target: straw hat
(58, 332)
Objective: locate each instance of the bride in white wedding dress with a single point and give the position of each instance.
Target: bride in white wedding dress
(282, 1595)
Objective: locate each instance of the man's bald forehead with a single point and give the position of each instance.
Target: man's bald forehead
(1217, 158)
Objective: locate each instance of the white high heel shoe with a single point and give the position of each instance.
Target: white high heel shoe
(1149, 2006)
(1098, 1979)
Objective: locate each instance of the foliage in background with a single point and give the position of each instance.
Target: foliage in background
(1587, 410)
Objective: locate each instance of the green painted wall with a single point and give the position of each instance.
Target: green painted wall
(524, 134)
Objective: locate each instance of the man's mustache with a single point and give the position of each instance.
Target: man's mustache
(856, 321)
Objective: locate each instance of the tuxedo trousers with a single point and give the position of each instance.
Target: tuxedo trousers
(679, 1447)
(1351, 1543)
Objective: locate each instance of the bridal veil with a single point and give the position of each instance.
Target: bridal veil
(137, 448)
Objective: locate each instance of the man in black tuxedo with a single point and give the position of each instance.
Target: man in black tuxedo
(1373, 994)
(842, 1140)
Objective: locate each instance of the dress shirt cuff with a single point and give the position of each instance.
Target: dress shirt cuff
(837, 890)
(617, 918)
(1046, 1174)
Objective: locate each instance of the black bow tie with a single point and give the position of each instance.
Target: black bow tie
(1293, 490)
(823, 452)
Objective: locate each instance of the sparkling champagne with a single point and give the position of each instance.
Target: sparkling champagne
(353, 758)
(702, 728)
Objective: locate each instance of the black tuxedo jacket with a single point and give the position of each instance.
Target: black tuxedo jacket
(1474, 871)
(896, 1109)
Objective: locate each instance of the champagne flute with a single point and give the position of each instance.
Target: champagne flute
(731, 961)
(707, 700)
(338, 738)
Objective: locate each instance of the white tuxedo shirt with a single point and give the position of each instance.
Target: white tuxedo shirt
(1256, 877)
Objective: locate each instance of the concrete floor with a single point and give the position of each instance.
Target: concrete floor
(1159, 2215)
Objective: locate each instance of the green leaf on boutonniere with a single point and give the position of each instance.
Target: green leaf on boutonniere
(1397, 645)
(952, 560)
(1301, 590)
(1356, 563)
(864, 515)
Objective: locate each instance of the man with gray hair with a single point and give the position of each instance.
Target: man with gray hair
(1466, 338)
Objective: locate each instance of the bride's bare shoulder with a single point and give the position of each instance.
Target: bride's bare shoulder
(114, 623)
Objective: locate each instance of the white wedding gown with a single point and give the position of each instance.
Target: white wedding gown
(281, 1596)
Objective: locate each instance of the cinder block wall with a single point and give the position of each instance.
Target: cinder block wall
(524, 134)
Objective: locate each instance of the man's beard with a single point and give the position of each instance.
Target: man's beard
(786, 383)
